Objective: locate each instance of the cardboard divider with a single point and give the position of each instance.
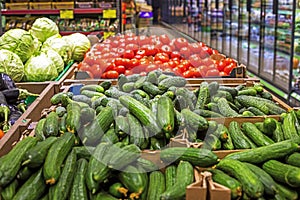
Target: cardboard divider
(215, 190)
(197, 190)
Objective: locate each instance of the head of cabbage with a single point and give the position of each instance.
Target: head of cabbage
(20, 42)
(40, 68)
(81, 44)
(43, 28)
(61, 46)
(11, 64)
(56, 59)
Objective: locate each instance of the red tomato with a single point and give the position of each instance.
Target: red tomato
(203, 69)
(164, 39)
(223, 74)
(150, 50)
(195, 48)
(188, 74)
(89, 60)
(110, 66)
(158, 44)
(208, 50)
(120, 69)
(151, 67)
(104, 75)
(128, 54)
(195, 60)
(143, 40)
(186, 63)
(133, 47)
(212, 72)
(141, 52)
(175, 54)
(215, 51)
(83, 66)
(120, 52)
(207, 61)
(131, 40)
(166, 49)
(138, 57)
(228, 68)
(182, 68)
(115, 43)
(129, 34)
(196, 72)
(221, 65)
(122, 61)
(107, 41)
(163, 57)
(128, 72)
(112, 74)
(180, 43)
(185, 52)
(177, 71)
(172, 64)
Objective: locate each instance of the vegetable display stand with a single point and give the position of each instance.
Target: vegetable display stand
(32, 114)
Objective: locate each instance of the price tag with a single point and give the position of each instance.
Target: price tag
(109, 13)
(66, 14)
(107, 34)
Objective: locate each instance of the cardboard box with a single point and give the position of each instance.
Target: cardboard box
(215, 190)
(197, 190)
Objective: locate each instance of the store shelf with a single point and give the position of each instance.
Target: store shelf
(50, 11)
(99, 32)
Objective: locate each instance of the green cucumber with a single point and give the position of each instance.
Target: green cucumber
(207, 113)
(262, 154)
(195, 121)
(121, 125)
(92, 87)
(180, 102)
(62, 188)
(91, 94)
(84, 151)
(231, 90)
(256, 111)
(105, 84)
(170, 176)
(165, 114)
(152, 77)
(248, 113)
(55, 157)
(225, 95)
(251, 184)
(211, 142)
(249, 91)
(239, 139)
(51, 125)
(171, 81)
(286, 192)
(297, 123)
(293, 159)
(11, 162)
(131, 152)
(146, 164)
(114, 93)
(79, 190)
(141, 112)
(35, 156)
(80, 98)
(104, 196)
(288, 127)
(184, 177)
(24, 173)
(203, 97)
(90, 134)
(39, 130)
(255, 135)
(128, 87)
(136, 132)
(110, 136)
(250, 101)
(136, 187)
(266, 95)
(73, 117)
(33, 188)
(265, 178)
(157, 185)
(105, 118)
(197, 157)
(97, 168)
(151, 89)
(9, 191)
(62, 124)
(278, 134)
(60, 111)
(224, 179)
(283, 173)
(228, 144)
(139, 83)
(87, 115)
(118, 190)
(225, 108)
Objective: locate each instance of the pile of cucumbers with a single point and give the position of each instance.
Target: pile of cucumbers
(269, 172)
(59, 168)
(247, 135)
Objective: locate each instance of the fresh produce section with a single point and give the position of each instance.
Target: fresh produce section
(130, 54)
(22, 51)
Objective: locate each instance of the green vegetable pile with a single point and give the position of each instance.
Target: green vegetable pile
(39, 54)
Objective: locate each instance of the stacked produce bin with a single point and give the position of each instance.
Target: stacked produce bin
(140, 132)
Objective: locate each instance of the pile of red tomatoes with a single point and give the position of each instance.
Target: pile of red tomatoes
(130, 54)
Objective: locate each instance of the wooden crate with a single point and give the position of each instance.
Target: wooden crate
(17, 6)
(63, 5)
(40, 5)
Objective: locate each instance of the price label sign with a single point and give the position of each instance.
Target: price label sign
(107, 34)
(66, 14)
(109, 13)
